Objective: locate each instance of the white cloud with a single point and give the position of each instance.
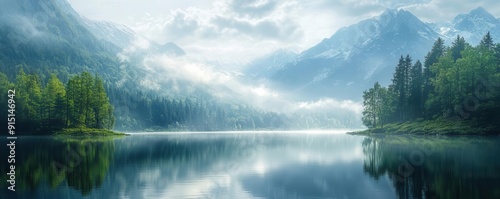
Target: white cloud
(245, 29)
(185, 68)
(184, 73)
(228, 29)
(329, 103)
(263, 91)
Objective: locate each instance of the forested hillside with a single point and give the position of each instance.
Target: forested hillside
(456, 83)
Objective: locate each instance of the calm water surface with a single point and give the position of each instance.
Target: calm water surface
(256, 165)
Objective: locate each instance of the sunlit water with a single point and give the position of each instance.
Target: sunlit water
(256, 165)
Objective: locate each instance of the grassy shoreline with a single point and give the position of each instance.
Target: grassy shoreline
(432, 127)
(87, 132)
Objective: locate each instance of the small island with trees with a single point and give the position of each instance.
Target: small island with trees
(456, 91)
(79, 107)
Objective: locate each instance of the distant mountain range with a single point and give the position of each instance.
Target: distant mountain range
(48, 36)
(357, 56)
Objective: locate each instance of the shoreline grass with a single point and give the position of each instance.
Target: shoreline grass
(87, 132)
(432, 127)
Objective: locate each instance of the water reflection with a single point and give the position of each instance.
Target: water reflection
(436, 167)
(257, 165)
(261, 165)
(80, 165)
(239, 165)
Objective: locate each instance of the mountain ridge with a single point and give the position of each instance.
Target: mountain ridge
(356, 56)
(472, 26)
(320, 70)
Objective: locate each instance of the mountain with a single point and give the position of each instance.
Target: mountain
(355, 57)
(265, 66)
(117, 34)
(123, 37)
(472, 26)
(169, 48)
(49, 36)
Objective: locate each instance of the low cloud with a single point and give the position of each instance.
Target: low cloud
(183, 73)
(184, 68)
(183, 76)
(332, 104)
(252, 8)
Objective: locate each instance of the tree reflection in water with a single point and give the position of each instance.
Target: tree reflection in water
(81, 163)
(211, 165)
(436, 167)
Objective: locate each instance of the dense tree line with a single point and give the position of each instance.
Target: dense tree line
(150, 111)
(459, 82)
(43, 108)
(136, 110)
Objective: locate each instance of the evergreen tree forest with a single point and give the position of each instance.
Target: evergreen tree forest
(148, 111)
(42, 108)
(455, 83)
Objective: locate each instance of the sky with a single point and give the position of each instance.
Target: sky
(242, 30)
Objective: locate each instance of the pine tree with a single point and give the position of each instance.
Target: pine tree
(431, 58)
(496, 54)
(415, 100)
(88, 98)
(75, 102)
(71, 95)
(457, 47)
(440, 100)
(29, 95)
(101, 108)
(400, 87)
(54, 96)
(487, 42)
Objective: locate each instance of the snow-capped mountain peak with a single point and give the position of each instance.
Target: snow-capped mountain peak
(476, 19)
(393, 14)
(119, 35)
(346, 41)
(481, 12)
(267, 65)
(368, 51)
(472, 26)
(361, 53)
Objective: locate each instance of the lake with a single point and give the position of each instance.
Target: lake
(309, 165)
